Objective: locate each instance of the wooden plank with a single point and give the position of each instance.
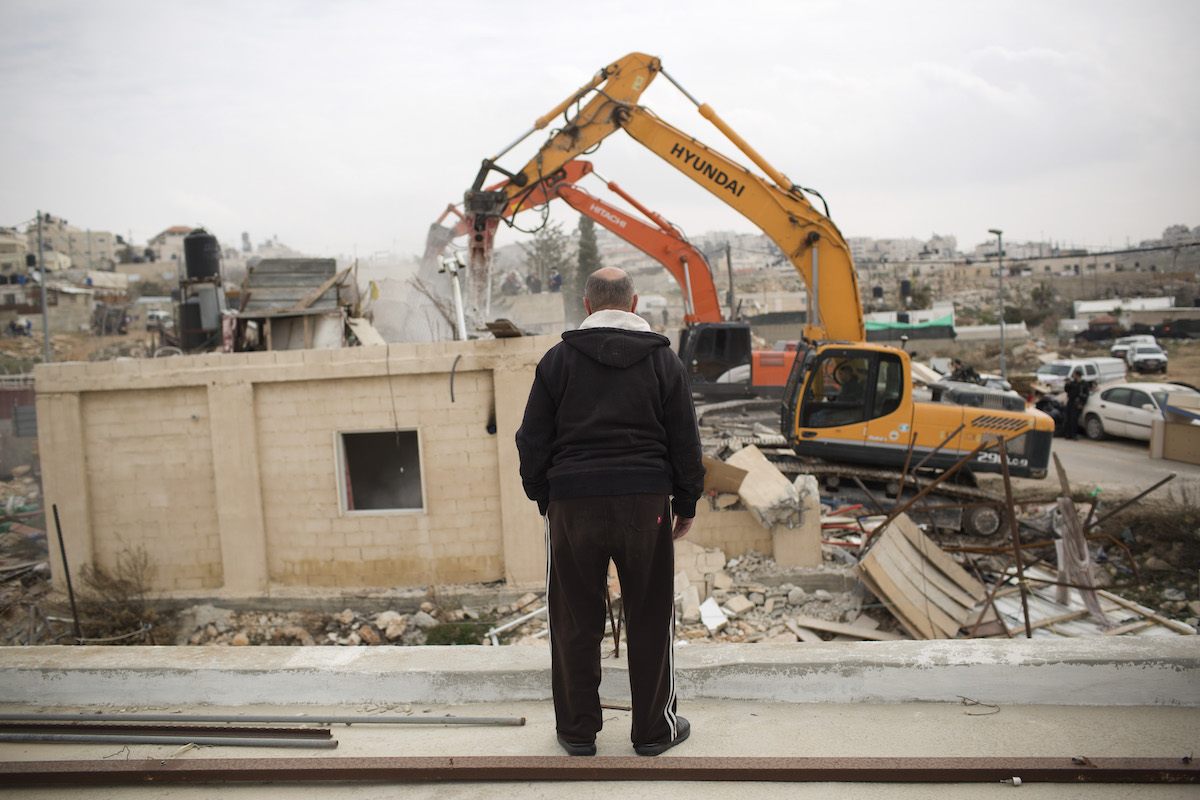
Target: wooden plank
(803, 634)
(873, 587)
(918, 594)
(1129, 627)
(849, 630)
(939, 557)
(953, 599)
(917, 576)
(899, 603)
(315, 294)
(1175, 625)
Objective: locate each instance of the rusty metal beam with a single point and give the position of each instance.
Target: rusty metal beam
(604, 768)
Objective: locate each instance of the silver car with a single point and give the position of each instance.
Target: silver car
(1127, 409)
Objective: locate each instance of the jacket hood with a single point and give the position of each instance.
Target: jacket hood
(615, 338)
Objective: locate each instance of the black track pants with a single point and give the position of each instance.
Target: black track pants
(582, 535)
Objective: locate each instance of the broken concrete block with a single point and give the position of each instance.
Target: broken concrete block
(758, 598)
(766, 491)
(691, 605)
(681, 582)
(712, 616)
(713, 561)
(423, 620)
(721, 476)
(799, 543)
(396, 629)
(721, 580)
(695, 560)
(369, 634)
(737, 605)
(781, 638)
(726, 500)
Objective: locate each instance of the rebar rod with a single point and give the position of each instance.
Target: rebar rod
(120, 738)
(378, 719)
(1016, 539)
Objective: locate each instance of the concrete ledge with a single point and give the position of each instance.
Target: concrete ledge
(1130, 671)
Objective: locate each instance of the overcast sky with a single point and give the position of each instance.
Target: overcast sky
(346, 127)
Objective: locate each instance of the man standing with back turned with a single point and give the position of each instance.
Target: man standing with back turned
(610, 451)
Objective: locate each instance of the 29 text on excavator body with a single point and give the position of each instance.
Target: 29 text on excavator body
(847, 400)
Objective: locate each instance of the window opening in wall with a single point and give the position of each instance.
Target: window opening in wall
(382, 471)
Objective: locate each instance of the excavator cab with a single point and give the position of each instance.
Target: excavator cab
(840, 398)
(710, 351)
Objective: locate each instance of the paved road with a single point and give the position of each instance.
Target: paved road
(1117, 466)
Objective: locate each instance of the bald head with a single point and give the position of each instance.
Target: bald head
(609, 287)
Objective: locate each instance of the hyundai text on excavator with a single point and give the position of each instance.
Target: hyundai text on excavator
(847, 401)
(709, 345)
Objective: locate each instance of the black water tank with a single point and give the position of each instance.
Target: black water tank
(877, 291)
(906, 288)
(191, 334)
(902, 317)
(201, 254)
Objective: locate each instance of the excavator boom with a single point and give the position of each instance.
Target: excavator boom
(847, 399)
(809, 239)
(665, 245)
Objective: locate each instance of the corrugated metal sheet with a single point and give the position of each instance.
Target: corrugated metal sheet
(277, 284)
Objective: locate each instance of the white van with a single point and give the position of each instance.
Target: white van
(1096, 371)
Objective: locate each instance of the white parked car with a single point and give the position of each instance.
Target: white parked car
(1123, 344)
(1127, 409)
(1146, 358)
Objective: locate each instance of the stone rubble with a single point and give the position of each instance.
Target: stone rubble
(746, 610)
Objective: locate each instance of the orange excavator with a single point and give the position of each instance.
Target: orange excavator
(709, 345)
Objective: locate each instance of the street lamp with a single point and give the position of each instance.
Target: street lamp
(1000, 244)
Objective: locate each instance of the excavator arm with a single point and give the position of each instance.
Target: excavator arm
(810, 240)
(664, 243)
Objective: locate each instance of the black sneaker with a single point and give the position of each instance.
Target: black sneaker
(578, 748)
(657, 748)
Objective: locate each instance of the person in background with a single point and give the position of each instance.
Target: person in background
(1077, 394)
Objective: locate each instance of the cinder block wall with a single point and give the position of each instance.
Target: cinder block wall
(150, 481)
(225, 469)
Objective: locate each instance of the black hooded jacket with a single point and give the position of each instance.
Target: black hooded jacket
(611, 413)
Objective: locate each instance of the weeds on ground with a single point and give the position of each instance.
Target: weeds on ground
(114, 606)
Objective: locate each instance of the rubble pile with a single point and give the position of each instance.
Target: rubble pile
(745, 601)
(429, 624)
(20, 494)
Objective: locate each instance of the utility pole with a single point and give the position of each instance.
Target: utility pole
(42, 275)
(1000, 243)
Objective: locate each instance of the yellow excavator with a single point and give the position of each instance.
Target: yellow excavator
(849, 404)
